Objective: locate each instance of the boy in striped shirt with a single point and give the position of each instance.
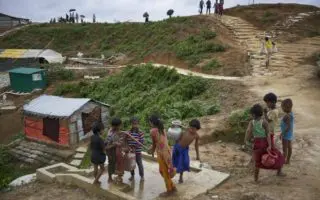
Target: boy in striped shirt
(135, 133)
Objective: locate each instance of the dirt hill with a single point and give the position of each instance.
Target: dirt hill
(188, 42)
(267, 16)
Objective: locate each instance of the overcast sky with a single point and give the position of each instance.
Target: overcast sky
(113, 10)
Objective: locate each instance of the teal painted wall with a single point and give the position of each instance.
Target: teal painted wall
(25, 82)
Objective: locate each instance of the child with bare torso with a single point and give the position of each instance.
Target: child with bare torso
(180, 155)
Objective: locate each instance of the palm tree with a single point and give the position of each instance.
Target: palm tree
(146, 16)
(170, 12)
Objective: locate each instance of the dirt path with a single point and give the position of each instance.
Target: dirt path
(288, 79)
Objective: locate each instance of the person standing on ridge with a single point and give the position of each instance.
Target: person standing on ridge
(201, 6)
(208, 3)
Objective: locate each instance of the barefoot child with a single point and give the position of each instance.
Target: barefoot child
(287, 123)
(180, 154)
(115, 143)
(271, 114)
(161, 146)
(98, 156)
(258, 128)
(138, 135)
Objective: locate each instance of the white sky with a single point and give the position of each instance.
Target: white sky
(111, 10)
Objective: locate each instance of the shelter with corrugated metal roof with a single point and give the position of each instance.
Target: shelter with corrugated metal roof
(62, 121)
(27, 79)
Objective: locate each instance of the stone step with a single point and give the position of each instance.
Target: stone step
(63, 154)
(39, 153)
(30, 158)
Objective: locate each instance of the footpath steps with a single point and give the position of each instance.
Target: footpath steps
(77, 158)
(39, 154)
(288, 55)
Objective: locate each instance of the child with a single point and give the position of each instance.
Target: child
(259, 129)
(287, 123)
(98, 156)
(268, 46)
(136, 133)
(180, 154)
(174, 132)
(271, 114)
(160, 144)
(115, 143)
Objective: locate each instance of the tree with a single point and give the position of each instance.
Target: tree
(146, 16)
(170, 12)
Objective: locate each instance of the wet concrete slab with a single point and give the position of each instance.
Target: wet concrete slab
(196, 182)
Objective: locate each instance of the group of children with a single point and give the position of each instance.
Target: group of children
(261, 131)
(218, 7)
(119, 143)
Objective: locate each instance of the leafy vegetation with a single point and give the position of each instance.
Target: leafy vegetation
(213, 64)
(269, 17)
(141, 91)
(134, 39)
(195, 48)
(237, 122)
(9, 170)
(59, 73)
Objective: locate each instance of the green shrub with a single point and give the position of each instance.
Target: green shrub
(145, 90)
(213, 64)
(9, 169)
(59, 73)
(197, 47)
(238, 122)
(208, 35)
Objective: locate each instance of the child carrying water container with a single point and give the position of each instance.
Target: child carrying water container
(161, 146)
(258, 128)
(180, 155)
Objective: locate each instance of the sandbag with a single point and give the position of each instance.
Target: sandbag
(129, 161)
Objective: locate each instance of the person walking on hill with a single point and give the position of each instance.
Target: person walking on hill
(201, 6)
(208, 3)
(220, 9)
(216, 7)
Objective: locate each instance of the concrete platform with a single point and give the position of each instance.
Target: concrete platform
(196, 182)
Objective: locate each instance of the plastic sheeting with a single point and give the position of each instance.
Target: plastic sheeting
(50, 55)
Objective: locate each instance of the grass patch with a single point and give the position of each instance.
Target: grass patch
(10, 169)
(212, 65)
(86, 161)
(195, 48)
(238, 123)
(142, 91)
(269, 17)
(58, 72)
(134, 39)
